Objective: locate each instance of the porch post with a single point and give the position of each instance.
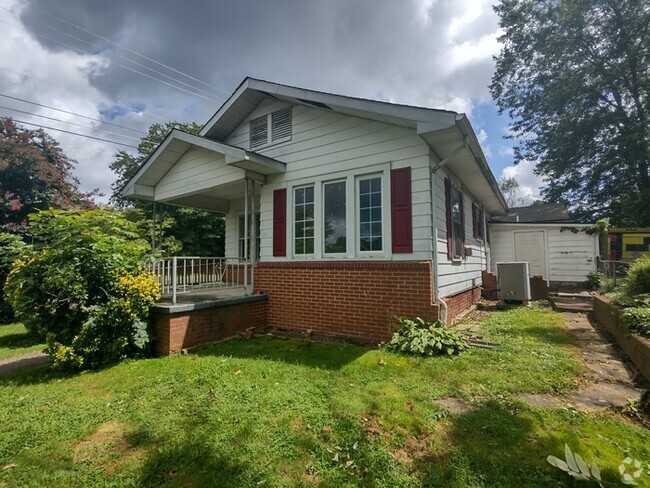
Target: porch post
(246, 234)
(153, 227)
(253, 237)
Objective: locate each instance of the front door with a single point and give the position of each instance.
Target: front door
(529, 246)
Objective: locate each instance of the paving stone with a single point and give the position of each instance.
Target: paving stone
(454, 405)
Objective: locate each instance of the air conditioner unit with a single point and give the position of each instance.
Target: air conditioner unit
(514, 281)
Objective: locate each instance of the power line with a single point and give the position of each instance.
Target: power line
(67, 111)
(73, 133)
(151, 114)
(130, 50)
(116, 63)
(67, 122)
(111, 53)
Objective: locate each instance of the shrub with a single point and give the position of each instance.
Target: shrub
(638, 320)
(81, 287)
(594, 280)
(426, 338)
(11, 246)
(638, 277)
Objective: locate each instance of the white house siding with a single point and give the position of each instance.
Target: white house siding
(327, 146)
(236, 208)
(460, 275)
(570, 256)
(197, 170)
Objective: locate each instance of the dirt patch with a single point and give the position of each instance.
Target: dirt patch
(107, 446)
(454, 405)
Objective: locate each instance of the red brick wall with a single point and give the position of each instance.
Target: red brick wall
(351, 299)
(177, 331)
(461, 301)
(490, 285)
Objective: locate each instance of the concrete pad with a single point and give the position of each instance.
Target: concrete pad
(26, 361)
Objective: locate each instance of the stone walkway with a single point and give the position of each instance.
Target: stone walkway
(611, 382)
(26, 361)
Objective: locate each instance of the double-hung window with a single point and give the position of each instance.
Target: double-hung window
(334, 217)
(370, 214)
(303, 213)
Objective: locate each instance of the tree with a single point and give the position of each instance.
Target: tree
(573, 76)
(35, 173)
(194, 232)
(512, 192)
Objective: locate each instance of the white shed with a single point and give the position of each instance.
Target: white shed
(562, 253)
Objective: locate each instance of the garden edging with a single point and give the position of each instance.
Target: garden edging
(636, 347)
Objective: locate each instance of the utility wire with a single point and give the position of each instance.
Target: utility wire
(110, 53)
(73, 133)
(117, 64)
(67, 122)
(151, 114)
(130, 50)
(68, 112)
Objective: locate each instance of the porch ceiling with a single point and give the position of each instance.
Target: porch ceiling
(174, 147)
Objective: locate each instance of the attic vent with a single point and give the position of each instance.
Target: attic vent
(281, 124)
(259, 131)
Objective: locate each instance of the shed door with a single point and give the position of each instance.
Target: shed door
(529, 246)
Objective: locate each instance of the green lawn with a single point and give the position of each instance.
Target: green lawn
(270, 412)
(15, 341)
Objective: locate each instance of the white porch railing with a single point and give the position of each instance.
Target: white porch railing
(182, 274)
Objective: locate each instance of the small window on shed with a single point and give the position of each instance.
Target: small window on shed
(259, 131)
(281, 124)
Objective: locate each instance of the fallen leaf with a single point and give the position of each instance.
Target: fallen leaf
(238, 372)
(8, 466)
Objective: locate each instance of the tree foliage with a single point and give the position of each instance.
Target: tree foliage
(11, 247)
(35, 173)
(190, 231)
(573, 75)
(81, 286)
(512, 192)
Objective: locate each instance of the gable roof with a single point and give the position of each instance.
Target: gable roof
(443, 130)
(538, 213)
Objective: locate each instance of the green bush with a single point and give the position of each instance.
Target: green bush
(638, 277)
(638, 320)
(594, 280)
(81, 287)
(11, 247)
(426, 338)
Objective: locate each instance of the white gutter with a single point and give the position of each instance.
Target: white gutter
(434, 218)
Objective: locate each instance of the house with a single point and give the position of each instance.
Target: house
(558, 249)
(349, 211)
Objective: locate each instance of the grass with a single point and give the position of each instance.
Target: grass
(270, 412)
(14, 341)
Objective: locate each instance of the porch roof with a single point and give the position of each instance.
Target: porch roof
(178, 143)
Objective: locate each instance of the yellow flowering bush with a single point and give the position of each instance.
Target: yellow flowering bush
(81, 287)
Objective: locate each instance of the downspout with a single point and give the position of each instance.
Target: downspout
(434, 218)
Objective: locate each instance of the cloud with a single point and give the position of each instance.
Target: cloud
(435, 53)
(530, 183)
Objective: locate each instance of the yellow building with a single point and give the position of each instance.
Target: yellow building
(629, 243)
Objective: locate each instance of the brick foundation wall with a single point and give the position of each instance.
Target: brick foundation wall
(490, 285)
(635, 346)
(461, 301)
(191, 328)
(350, 299)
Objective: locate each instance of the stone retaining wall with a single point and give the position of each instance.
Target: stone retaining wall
(636, 347)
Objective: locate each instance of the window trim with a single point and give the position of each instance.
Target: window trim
(324, 253)
(293, 220)
(357, 214)
(241, 238)
(352, 213)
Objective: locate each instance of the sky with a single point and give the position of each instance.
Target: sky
(134, 63)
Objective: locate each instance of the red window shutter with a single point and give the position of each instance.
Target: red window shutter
(450, 238)
(474, 220)
(401, 213)
(461, 207)
(280, 222)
